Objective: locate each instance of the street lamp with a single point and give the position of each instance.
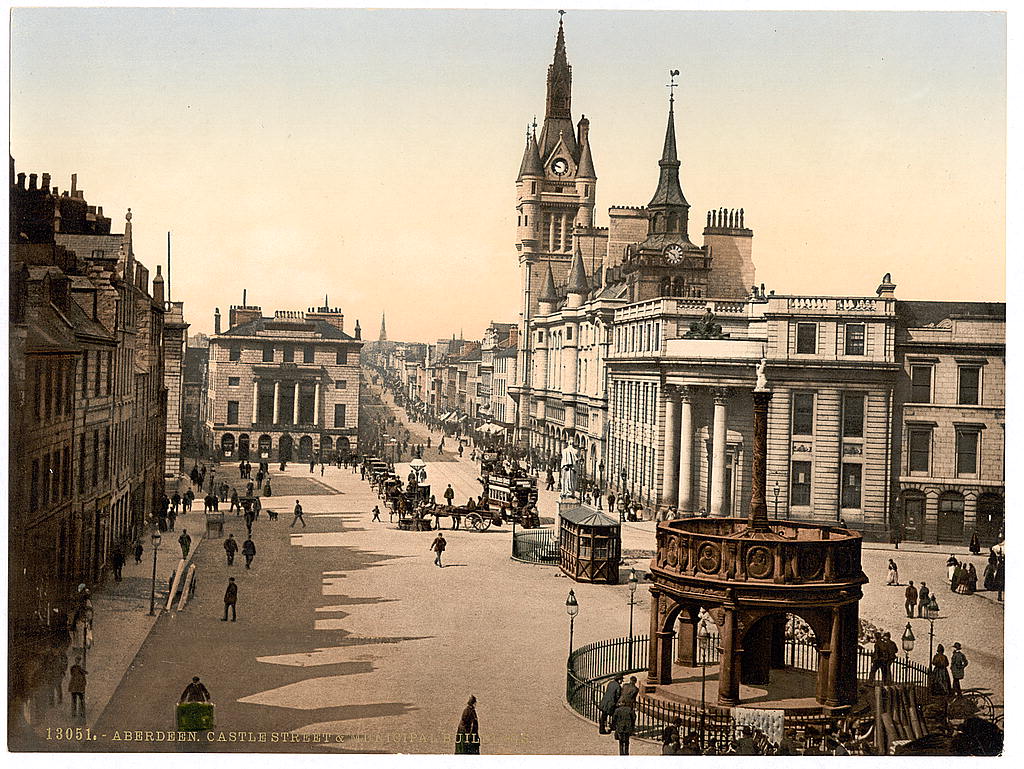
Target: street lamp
(572, 608)
(931, 613)
(776, 491)
(702, 641)
(633, 582)
(152, 590)
(908, 645)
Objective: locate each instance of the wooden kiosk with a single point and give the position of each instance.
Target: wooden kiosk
(590, 545)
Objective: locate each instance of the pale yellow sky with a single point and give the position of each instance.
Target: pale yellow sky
(372, 156)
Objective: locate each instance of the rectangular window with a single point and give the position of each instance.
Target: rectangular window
(966, 452)
(95, 457)
(919, 448)
(855, 338)
(110, 373)
(806, 338)
(289, 354)
(920, 384)
(58, 391)
(339, 414)
(268, 353)
(803, 413)
(853, 415)
(234, 352)
(85, 373)
(970, 378)
(850, 497)
(232, 413)
(97, 379)
(234, 381)
(106, 454)
(307, 354)
(800, 489)
(340, 384)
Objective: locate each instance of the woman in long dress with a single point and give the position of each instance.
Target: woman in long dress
(940, 683)
(959, 577)
(951, 564)
(894, 574)
(972, 579)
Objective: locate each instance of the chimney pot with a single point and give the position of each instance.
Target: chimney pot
(21, 181)
(32, 179)
(74, 184)
(46, 183)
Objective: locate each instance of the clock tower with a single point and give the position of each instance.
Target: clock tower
(667, 263)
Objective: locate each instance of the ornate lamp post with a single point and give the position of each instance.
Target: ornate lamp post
(572, 608)
(155, 539)
(702, 642)
(633, 582)
(775, 491)
(931, 612)
(908, 645)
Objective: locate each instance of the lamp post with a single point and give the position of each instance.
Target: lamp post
(152, 589)
(908, 646)
(633, 582)
(776, 492)
(572, 608)
(931, 612)
(702, 641)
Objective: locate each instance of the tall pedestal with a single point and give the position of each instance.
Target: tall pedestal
(758, 515)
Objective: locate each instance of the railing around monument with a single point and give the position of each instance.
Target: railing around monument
(536, 546)
(591, 667)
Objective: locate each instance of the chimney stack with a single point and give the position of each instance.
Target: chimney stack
(74, 184)
(216, 320)
(158, 286)
(32, 179)
(46, 183)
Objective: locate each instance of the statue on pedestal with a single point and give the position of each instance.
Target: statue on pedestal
(762, 379)
(569, 458)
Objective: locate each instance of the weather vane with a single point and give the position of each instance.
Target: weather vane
(560, 15)
(673, 74)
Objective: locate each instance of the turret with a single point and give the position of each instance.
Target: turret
(578, 287)
(548, 298)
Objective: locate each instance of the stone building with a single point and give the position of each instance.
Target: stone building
(194, 439)
(283, 388)
(175, 343)
(87, 405)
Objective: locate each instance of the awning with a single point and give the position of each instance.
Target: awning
(446, 417)
(492, 429)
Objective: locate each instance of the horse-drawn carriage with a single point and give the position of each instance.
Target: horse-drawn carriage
(509, 489)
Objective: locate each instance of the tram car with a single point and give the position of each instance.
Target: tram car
(509, 490)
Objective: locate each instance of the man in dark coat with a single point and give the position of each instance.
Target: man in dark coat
(230, 599)
(911, 598)
(608, 701)
(231, 547)
(298, 515)
(195, 692)
(438, 546)
(76, 686)
(629, 693)
(623, 724)
(186, 543)
(138, 551)
(923, 597)
(249, 551)
(117, 562)
(467, 738)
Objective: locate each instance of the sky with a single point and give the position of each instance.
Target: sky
(372, 155)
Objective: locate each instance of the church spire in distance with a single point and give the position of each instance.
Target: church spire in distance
(383, 330)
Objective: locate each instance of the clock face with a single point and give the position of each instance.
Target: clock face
(674, 253)
(560, 166)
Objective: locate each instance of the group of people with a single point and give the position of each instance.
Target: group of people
(618, 709)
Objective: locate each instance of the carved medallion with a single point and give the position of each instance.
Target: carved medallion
(672, 551)
(759, 562)
(709, 558)
(844, 562)
(810, 563)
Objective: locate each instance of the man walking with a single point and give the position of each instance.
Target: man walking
(231, 547)
(117, 562)
(249, 551)
(910, 594)
(923, 597)
(623, 724)
(250, 516)
(449, 495)
(629, 693)
(230, 599)
(234, 502)
(608, 702)
(889, 653)
(957, 663)
(298, 515)
(186, 543)
(76, 686)
(438, 546)
(376, 514)
(138, 551)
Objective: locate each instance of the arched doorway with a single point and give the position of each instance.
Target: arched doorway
(326, 446)
(951, 517)
(284, 448)
(227, 445)
(264, 445)
(305, 448)
(243, 446)
(344, 447)
(913, 514)
(990, 518)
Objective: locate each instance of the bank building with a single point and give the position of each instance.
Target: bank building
(641, 347)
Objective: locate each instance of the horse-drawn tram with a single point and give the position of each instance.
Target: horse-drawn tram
(509, 489)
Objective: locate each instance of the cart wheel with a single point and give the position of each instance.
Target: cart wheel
(483, 525)
(475, 521)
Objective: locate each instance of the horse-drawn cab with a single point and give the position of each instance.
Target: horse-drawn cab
(509, 489)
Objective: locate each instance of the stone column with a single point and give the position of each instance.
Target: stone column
(316, 405)
(277, 401)
(685, 476)
(295, 405)
(670, 461)
(718, 439)
(255, 399)
(729, 654)
(686, 646)
(758, 515)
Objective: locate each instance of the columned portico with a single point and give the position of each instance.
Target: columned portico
(670, 462)
(685, 475)
(718, 439)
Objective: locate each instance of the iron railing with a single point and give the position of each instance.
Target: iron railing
(590, 667)
(536, 546)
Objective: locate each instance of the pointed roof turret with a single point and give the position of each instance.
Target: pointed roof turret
(558, 105)
(586, 166)
(578, 283)
(669, 193)
(548, 293)
(531, 165)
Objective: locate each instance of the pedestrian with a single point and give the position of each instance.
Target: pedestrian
(230, 599)
(175, 501)
(298, 515)
(186, 501)
(249, 551)
(623, 724)
(231, 547)
(939, 683)
(609, 700)
(923, 597)
(897, 534)
(321, 468)
(999, 578)
(630, 691)
(195, 692)
(889, 653)
(460, 450)
(117, 562)
(76, 687)
(670, 737)
(894, 573)
(449, 495)
(549, 481)
(975, 546)
(467, 737)
(376, 514)
(138, 551)
(877, 656)
(911, 598)
(57, 665)
(438, 546)
(186, 543)
(611, 501)
(957, 663)
(171, 515)
(312, 464)
(951, 564)
(249, 517)
(971, 581)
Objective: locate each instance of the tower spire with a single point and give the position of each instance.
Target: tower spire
(383, 331)
(669, 193)
(558, 106)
